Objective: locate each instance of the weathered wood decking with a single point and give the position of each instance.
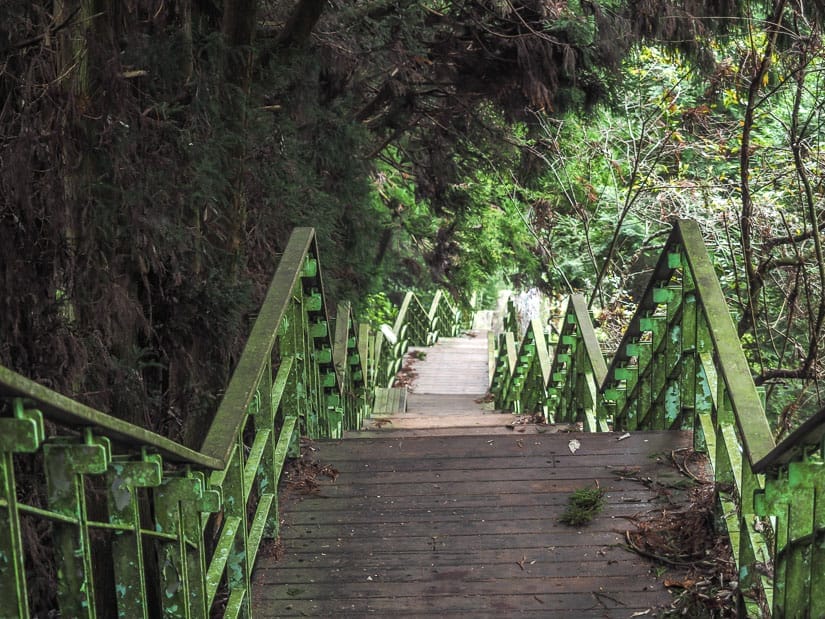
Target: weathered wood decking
(447, 390)
(468, 526)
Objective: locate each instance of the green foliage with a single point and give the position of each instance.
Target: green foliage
(584, 504)
(429, 146)
(377, 309)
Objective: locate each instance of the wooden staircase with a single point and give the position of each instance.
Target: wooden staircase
(450, 509)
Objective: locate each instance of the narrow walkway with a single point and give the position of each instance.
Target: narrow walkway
(447, 388)
(467, 523)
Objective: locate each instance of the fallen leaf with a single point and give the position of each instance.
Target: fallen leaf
(574, 446)
(684, 584)
(641, 613)
(624, 436)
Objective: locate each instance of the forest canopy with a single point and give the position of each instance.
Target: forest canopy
(155, 155)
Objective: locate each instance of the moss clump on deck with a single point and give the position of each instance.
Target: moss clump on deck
(583, 505)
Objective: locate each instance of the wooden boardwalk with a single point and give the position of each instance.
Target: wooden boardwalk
(447, 391)
(467, 525)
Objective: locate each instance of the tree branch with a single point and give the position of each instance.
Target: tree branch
(297, 30)
(746, 214)
(50, 31)
(801, 372)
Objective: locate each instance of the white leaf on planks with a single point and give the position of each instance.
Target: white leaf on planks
(574, 446)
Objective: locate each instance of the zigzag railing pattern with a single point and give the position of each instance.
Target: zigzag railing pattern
(414, 326)
(680, 366)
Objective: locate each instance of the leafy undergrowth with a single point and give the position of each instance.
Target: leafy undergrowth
(583, 505)
(686, 541)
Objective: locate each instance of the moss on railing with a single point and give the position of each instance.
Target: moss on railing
(680, 366)
(142, 524)
(521, 374)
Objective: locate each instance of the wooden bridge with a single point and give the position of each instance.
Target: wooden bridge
(450, 508)
(441, 506)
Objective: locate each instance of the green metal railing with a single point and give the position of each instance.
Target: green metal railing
(521, 375)
(578, 370)
(414, 326)
(143, 525)
(680, 366)
(191, 520)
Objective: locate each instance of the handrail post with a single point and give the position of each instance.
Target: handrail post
(67, 461)
(22, 433)
(124, 479)
(172, 554)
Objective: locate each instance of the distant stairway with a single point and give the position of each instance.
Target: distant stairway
(446, 391)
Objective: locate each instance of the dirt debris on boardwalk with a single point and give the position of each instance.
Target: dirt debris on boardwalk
(469, 526)
(684, 540)
(452, 509)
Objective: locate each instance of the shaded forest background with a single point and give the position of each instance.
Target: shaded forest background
(155, 155)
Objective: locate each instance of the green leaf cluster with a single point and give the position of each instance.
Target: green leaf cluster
(583, 505)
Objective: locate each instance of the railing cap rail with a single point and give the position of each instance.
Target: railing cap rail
(231, 413)
(67, 411)
(757, 439)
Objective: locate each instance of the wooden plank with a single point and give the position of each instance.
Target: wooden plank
(503, 481)
(551, 460)
(479, 606)
(484, 607)
(623, 506)
(389, 400)
(512, 502)
(602, 444)
(543, 469)
(428, 544)
(401, 567)
(449, 430)
(493, 598)
(550, 530)
(456, 583)
(469, 488)
(546, 561)
(408, 421)
(469, 526)
(447, 404)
